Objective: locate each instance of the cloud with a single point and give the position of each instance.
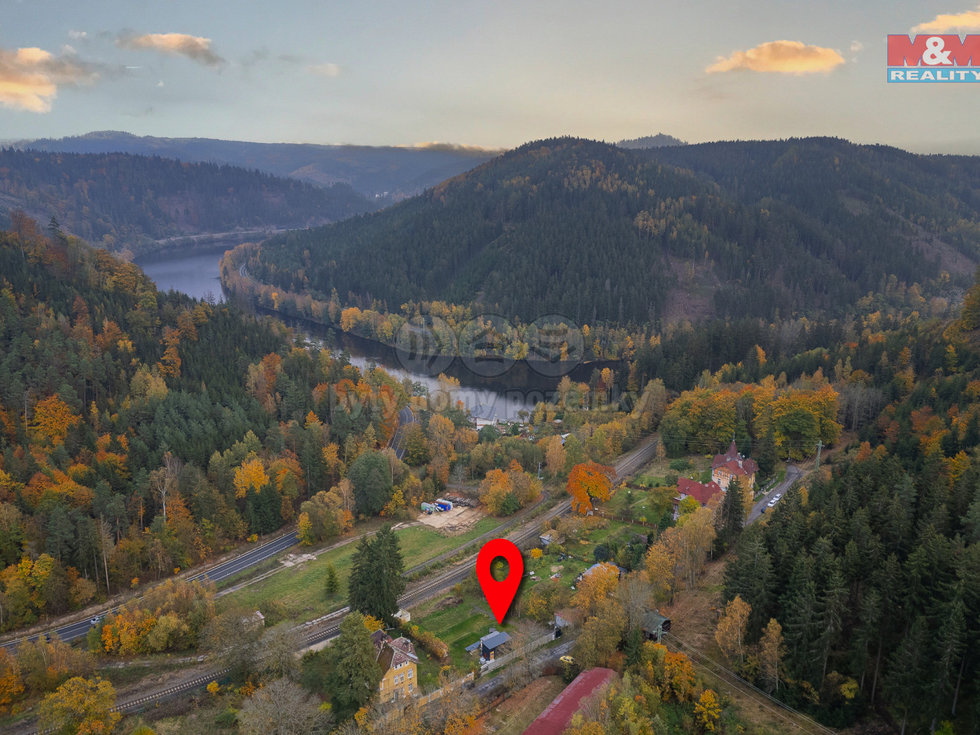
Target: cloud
(785, 57)
(77, 35)
(968, 20)
(30, 77)
(195, 48)
(324, 70)
(856, 46)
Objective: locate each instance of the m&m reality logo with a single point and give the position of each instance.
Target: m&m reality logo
(936, 58)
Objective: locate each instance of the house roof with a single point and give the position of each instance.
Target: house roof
(699, 491)
(494, 639)
(392, 652)
(735, 462)
(559, 713)
(652, 620)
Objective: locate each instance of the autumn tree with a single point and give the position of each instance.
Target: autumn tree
(11, 683)
(80, 706)
(587, 482)
(707, 710)
(51, 422)
(599, 584)
(731, 630)
(771, 652)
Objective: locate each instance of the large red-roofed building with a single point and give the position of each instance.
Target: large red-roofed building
(558, 715)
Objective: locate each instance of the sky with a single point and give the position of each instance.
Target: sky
(485, 74)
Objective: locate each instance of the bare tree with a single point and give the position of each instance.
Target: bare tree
(277, 649)
(635, 594)
(164, 480)
(282, 708)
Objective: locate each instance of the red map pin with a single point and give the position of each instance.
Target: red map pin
(500, 594)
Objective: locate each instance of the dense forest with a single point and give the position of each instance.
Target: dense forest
(140, 431)
(872, 569)
(123, 201)
(381, 173)
(600, 234)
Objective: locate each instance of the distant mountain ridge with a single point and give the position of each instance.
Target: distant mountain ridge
(384, 173)
(598, 232)
(128, 202)
(660, 140)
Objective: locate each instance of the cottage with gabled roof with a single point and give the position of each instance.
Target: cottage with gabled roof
(730, 465)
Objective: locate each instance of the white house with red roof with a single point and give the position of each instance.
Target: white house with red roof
(700, 491)
(732, 465)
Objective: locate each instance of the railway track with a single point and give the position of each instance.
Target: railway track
(328, 626)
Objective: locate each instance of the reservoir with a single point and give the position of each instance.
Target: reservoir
(196, 274)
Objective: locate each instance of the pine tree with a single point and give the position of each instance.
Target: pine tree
(376, 581)
(732, 518)
(330, 586)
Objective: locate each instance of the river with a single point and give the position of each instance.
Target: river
(196, 274)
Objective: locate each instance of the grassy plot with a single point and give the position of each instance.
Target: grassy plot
(458, 620)
(299, 590)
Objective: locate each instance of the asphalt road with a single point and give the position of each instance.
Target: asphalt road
(79, 629)
(793, 473)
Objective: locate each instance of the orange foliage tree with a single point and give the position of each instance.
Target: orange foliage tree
(587, 482)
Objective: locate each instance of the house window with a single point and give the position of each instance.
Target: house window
(409, 673)
(409, 687)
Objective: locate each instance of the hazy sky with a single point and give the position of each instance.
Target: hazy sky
(480, 73)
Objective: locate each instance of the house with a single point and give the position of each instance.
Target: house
(558, 715)
(595, 566)
(489, 644)
(702, 492)
(551, 537)
(399, 666)
(726, 467)
(654, 625)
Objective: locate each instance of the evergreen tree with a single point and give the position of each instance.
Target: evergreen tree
(355, 675)
(732, 518)
(376, 581)
(370, 474)
(330, 586)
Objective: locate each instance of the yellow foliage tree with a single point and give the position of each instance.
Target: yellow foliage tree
(52, 420)
(707, 710)
(80, 707)
(250, 475)
(731, 629)
(596, 586)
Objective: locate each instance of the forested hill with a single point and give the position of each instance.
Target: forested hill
(141, 432)
(381, 173)
(124, 201)
(596, 232)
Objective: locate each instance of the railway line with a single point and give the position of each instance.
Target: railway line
(328, 627)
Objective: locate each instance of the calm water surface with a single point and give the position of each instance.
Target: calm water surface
(197, 274)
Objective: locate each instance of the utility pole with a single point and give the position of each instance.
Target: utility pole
(819, 447)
